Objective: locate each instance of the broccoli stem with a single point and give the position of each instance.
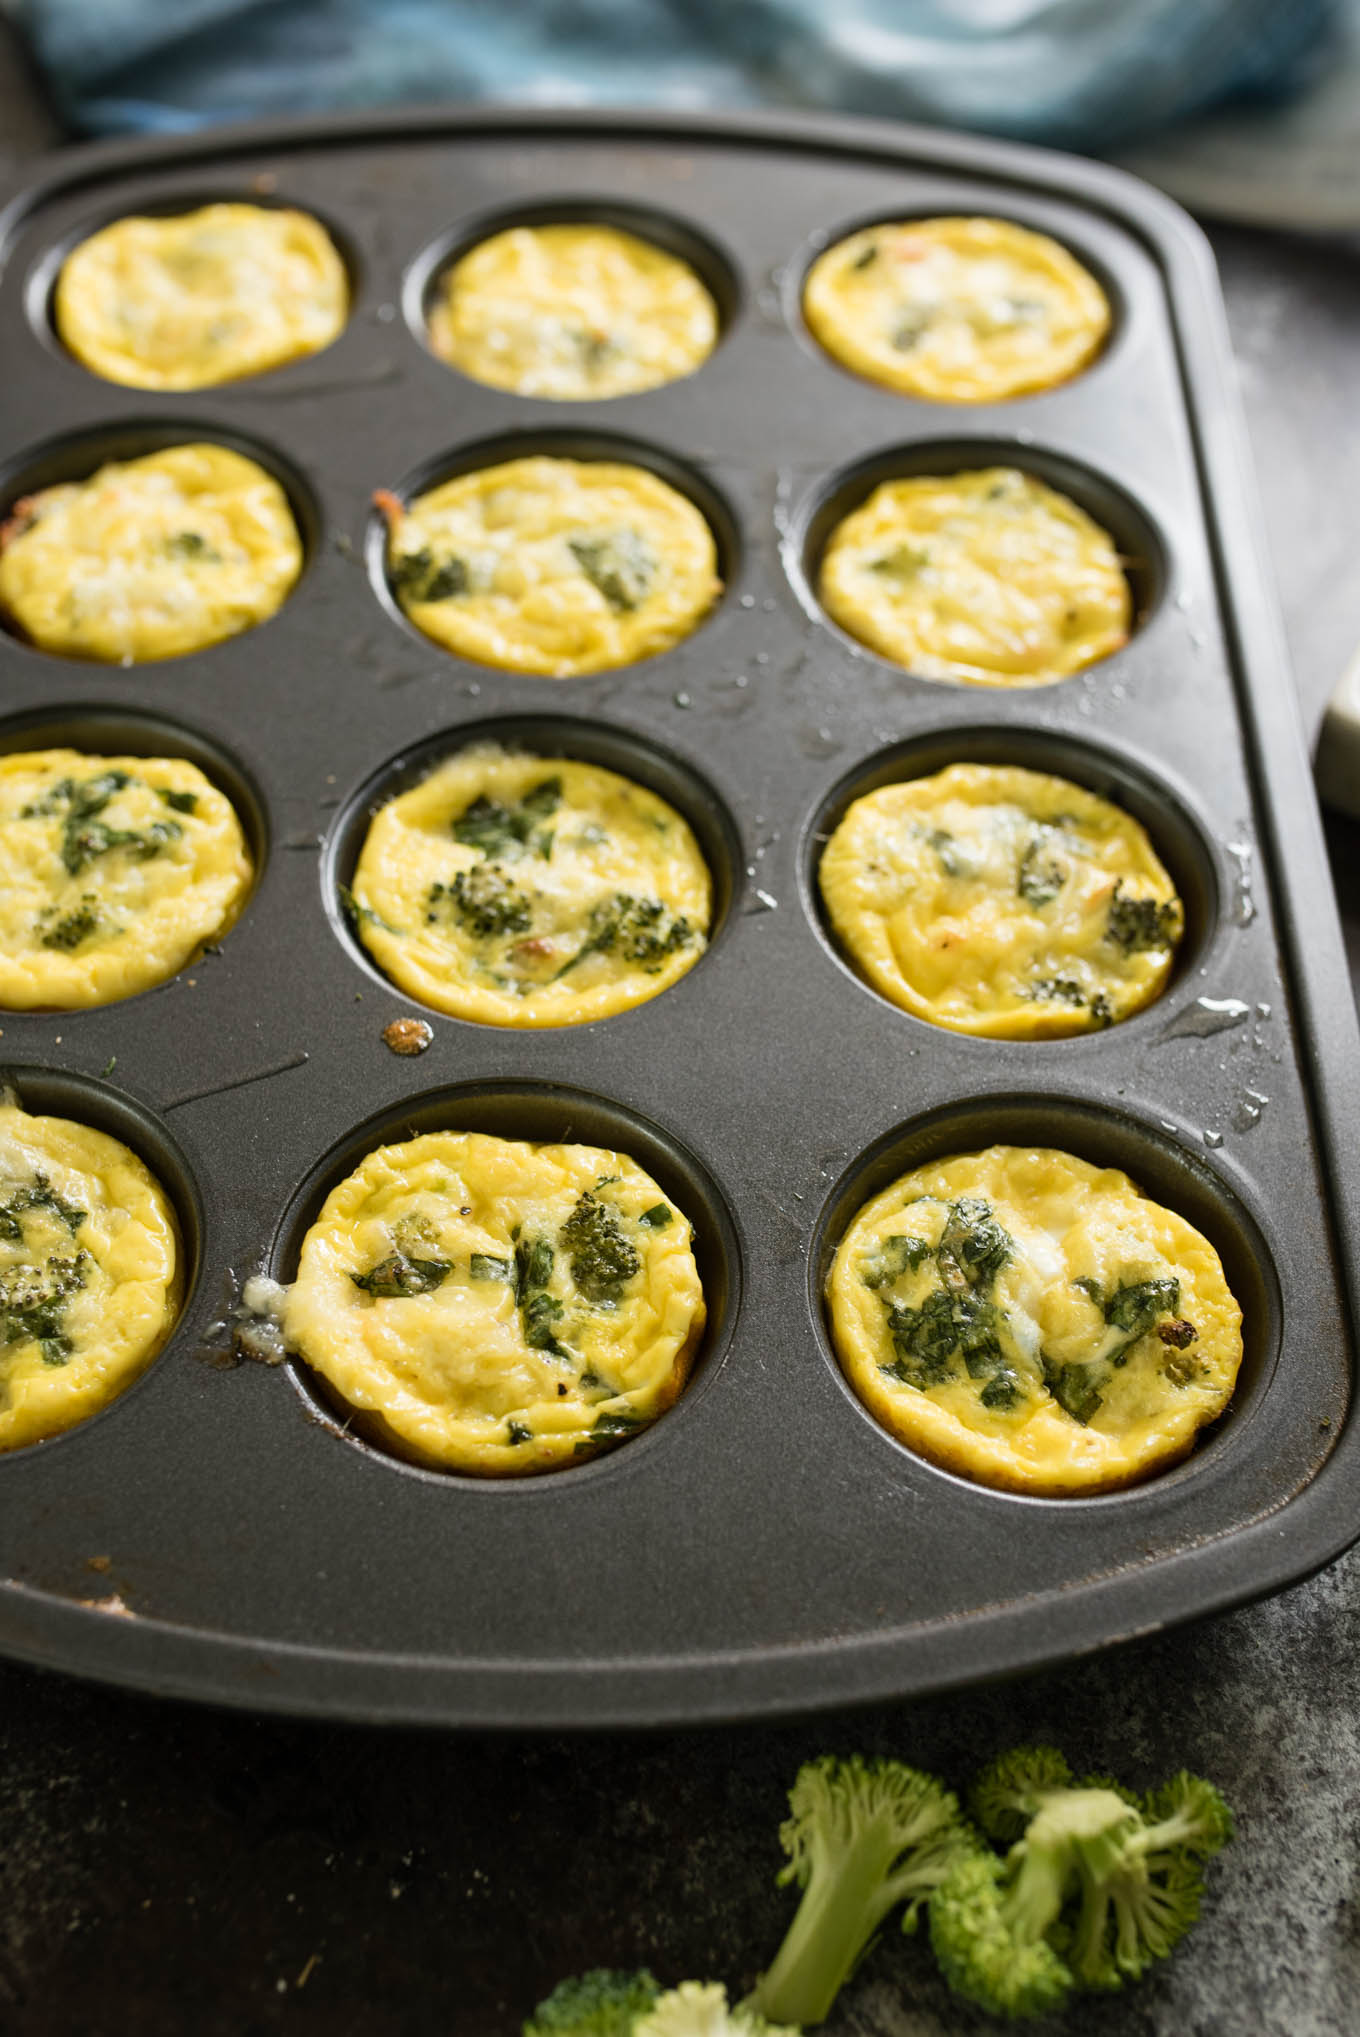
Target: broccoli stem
(842, 1908)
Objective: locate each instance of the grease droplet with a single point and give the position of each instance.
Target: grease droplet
(1213, 1138)
(408, 1035)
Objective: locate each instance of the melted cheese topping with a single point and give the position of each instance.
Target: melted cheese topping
(113, 872)
(201, 298)
(89, 1273)
(988, 577)
(572, 312)
(1003, 902)
(956, 310)
(520, 891)
(556, 567)
(1034, 1322)
(150, 559)
(496, 1307)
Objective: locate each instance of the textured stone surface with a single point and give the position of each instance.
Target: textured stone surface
(164, 1869)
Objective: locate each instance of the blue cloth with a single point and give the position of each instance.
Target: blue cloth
(1084, 74)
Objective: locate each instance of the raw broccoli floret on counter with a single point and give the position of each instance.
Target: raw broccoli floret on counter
(606, 2003)
(1098, 1883)
(865, 1837)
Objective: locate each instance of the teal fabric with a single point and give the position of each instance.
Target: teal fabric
(1086, 74)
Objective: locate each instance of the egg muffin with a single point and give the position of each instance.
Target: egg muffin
(522, 891)
(90, 1273)
(1034, 1322)
(554, 567)
(1002, 902)
(197, 298)
(956, 310)
(114, 871)
(494, 1307)
(988, 577)
(149, 558)
(572, 312)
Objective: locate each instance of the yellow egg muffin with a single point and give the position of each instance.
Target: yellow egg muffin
(524, 891)
(572, 312)
(150, 558)
(114, 871)
(987, 577)
(90, 1278)
(956, 310)
(196, 298)
(495, 1307)
(554, 567)
(1034, 1322)
(1002, 902)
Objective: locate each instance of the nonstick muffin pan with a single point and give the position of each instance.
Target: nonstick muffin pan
(766, 1547)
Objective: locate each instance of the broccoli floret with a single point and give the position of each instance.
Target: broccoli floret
(864, 1837)
(606, 2002)
(1043, 871)
(1097, 1884)
(1136, 924)
(422, 577)
(601, 1257)
(699, 2009)
(73, 928)
(620, 564)
(639, 929)
(484, 901)
(503, 831)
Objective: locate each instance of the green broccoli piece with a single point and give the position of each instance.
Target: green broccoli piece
(420, 576)
(1097, 1884)
(502, 831)
(397, 1276)
(1043, 872)
(973, 1247)
(892, 1257)
(73, 928)
(864, 1837)
(640, 929)
(1137, 924)
(601, 1257)
(606, 2002)
(483, 900)
(700, 2009)
(620, 564)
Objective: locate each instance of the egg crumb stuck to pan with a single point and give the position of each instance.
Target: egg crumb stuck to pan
(1002, 902)
(488, 1306)
(114, 872)
(572, 312)
(528, 891)
(552, 566)
(192, 299)
(149, 558)
(1034, 1322)
(956, 310)
(986, 577)
(90, 1273)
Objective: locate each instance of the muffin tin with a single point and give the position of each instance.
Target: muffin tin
(766, 1547)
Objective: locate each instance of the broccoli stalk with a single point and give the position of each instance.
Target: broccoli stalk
(865, 1836)
(1097, 1884)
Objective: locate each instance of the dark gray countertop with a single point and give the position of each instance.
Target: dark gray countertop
(164, 1869)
